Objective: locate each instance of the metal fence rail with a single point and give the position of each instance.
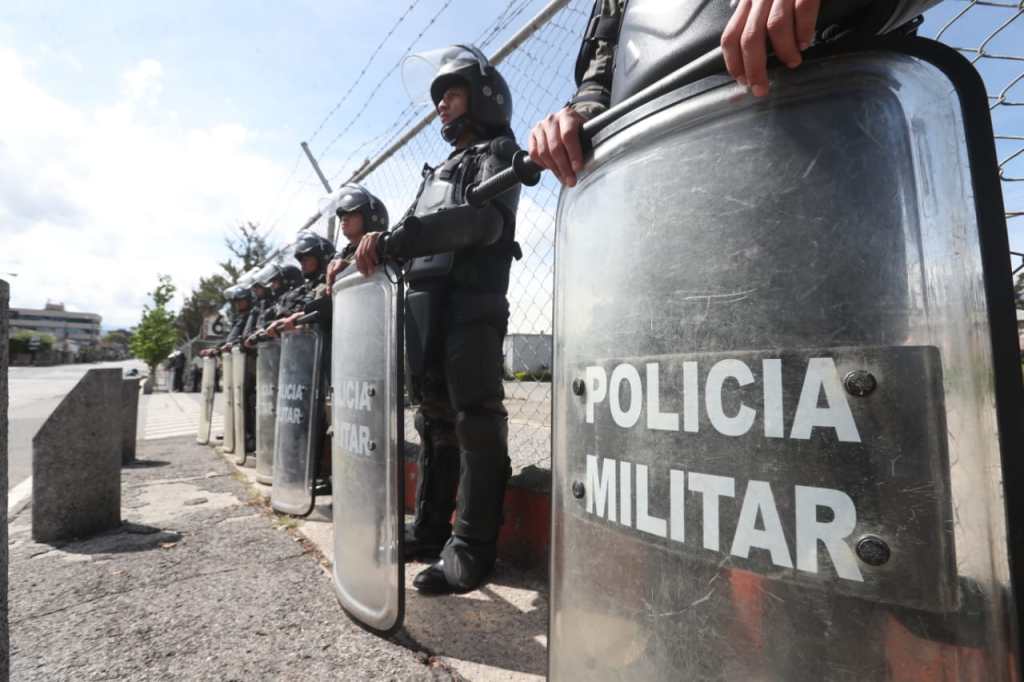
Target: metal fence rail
(538, 64)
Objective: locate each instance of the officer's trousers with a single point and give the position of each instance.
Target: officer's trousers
(463, 425)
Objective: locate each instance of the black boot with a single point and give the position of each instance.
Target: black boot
(414, 547)
(431, 580)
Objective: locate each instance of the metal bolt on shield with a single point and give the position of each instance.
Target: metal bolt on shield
(578, 387)
(860, 383)
(578, 490)
(873, 551)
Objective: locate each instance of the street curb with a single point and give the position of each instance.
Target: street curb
(526, 533)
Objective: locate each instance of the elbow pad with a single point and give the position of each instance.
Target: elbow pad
(450, 229)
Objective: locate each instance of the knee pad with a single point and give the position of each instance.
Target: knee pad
(482, 432)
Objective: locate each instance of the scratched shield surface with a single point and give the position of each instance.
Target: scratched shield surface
(207, 385)
(776, 439)
(297, 440)
(228, 379)
(268, 365)
(366, 455)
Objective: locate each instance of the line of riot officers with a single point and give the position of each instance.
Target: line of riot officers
(453, 256)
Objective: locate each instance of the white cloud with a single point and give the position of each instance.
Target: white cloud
(95, 202)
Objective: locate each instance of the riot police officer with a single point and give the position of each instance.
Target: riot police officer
(786, 26)
(240, 298)
(458, 259)
(360, 212)
(313, 253)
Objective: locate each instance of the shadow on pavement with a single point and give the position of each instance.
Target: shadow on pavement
(503, 624)
(145, 464)
(129, 537)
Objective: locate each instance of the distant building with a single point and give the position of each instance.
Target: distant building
(72, 330)
(527, 353)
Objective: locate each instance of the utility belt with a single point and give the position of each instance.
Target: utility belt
(439, 266)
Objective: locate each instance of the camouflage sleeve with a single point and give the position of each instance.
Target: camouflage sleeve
(595, 63)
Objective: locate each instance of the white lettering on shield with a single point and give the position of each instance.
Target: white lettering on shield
(758, 523)
(627, 392)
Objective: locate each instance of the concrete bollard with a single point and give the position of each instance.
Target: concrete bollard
(129, 419)
(76, 461)
(5, 640)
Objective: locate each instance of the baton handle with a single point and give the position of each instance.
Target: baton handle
(308, 318)
(523, 170)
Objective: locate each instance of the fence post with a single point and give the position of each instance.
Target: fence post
(5, 641)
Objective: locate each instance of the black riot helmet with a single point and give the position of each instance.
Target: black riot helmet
(352, 197)
(291, 276)
(312, 244)
(238, 292)
(490, 100)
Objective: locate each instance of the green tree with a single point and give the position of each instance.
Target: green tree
(156, 334)
(1018, 291)
(208, 297)
(250, 248)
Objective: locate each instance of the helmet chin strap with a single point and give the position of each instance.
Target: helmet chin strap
(451, 132)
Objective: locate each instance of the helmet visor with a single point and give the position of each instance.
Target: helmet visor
(345, 199)
(420, 69)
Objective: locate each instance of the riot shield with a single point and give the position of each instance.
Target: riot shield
(366, 380)
(786, 388)
(268, 361)
(228, 380)
(238, 361)
(206, 400)
(298, 440)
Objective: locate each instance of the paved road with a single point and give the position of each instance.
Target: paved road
(34, 393)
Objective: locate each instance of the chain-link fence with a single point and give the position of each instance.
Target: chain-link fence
(538, 65)
(989, 33)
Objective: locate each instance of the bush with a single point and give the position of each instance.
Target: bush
(539, 375)
(19, 342)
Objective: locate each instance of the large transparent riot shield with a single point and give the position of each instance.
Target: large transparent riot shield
(238, 362)
(268, 361)
(228, 380)
(786, 395)
(206, 400)
(298, 440)
(366, 379)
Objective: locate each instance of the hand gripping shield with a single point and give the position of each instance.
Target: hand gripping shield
(268, 362)
(206, 400)
(238, 367)
(786, 387)
(367, 449)
(228, 379)
(299, 438)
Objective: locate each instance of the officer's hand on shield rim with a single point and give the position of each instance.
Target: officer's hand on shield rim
(288, 323)
(367, 257)
(250, 342)
(335, 268)
(788, 24)
(555, 145)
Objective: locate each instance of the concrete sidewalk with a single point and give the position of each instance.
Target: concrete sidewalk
(199, 583)
(498, 632)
